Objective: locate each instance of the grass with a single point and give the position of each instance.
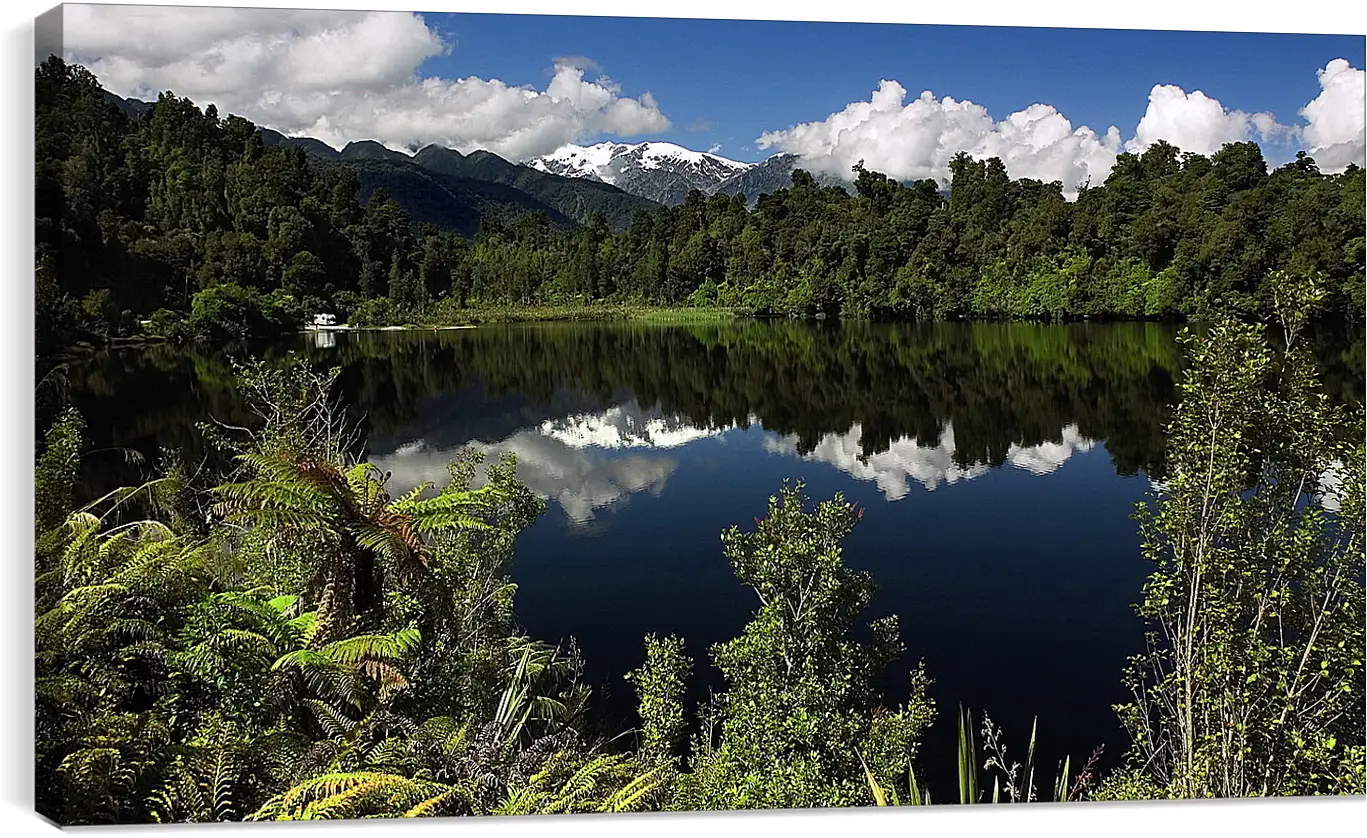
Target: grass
(1019, 780)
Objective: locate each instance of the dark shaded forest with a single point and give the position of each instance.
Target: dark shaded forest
(182, 223)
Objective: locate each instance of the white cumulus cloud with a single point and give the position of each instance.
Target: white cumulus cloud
(1334, 128)
(340, 76)
(1196, 122)
(917, 139)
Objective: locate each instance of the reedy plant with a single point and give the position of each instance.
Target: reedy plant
(1014, 779)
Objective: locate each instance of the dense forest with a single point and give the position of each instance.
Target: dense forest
(180, 222)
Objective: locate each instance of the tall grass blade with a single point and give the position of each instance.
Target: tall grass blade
(1061, 784)
(879, 798)
(914, 795)
(968, 761)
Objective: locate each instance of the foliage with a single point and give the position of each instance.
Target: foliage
(1013, 778)
(55, 474)
(232, 312)
(182, 676)
(1253, 681)
(378, 312)
(800, 705)
(168, 324)
(660, 686)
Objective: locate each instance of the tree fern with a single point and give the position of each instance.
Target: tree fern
(346, 516)
(357, 794)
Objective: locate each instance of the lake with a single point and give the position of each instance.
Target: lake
(998, 464)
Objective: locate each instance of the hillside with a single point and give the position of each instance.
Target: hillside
(574, 198)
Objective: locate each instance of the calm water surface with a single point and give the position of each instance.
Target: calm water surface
(999, 466)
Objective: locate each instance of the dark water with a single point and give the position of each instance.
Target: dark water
(999, 466)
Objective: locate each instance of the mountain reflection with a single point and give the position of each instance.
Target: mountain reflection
(627, 426)
(575, 461)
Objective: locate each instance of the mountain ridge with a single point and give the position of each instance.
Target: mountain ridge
(454, 191)
(570, 185)
(561, 198)
(660, 171)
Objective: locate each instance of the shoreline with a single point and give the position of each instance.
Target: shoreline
(344, 327)
(552, 315)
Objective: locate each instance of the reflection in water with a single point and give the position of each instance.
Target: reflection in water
(323, 340)
(884, 403)
(580, 480)
(1048, 456)
(1328, 491)
(627, 426)
(907, 459)
(574, 460)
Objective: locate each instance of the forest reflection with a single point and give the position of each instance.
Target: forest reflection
(594, 410)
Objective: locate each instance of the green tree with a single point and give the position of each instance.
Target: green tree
(800, 714)
(1252, 685)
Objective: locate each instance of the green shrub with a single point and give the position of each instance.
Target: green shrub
(168, 324)
(378, 312)
(231, 312)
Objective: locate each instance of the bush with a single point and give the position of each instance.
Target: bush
(168, 324)
(344, 303)
(231, 312)
(101, 312)
(375, 313)
(282, 312)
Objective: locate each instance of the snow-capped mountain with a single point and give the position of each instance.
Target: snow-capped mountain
(662, 172)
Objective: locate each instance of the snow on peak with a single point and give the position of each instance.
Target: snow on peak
(605, 161)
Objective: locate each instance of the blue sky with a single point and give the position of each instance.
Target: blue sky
(730, 81)
(1042, 100)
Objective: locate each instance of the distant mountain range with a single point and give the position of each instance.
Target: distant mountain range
(663, 172)
(454, 191)
(768, 176)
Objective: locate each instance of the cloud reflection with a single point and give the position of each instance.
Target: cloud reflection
(588, 462)
(931, 465)
(577, 461)
(627, 426)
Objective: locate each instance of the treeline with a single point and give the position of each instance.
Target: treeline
(190, 220)
(289, 640)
